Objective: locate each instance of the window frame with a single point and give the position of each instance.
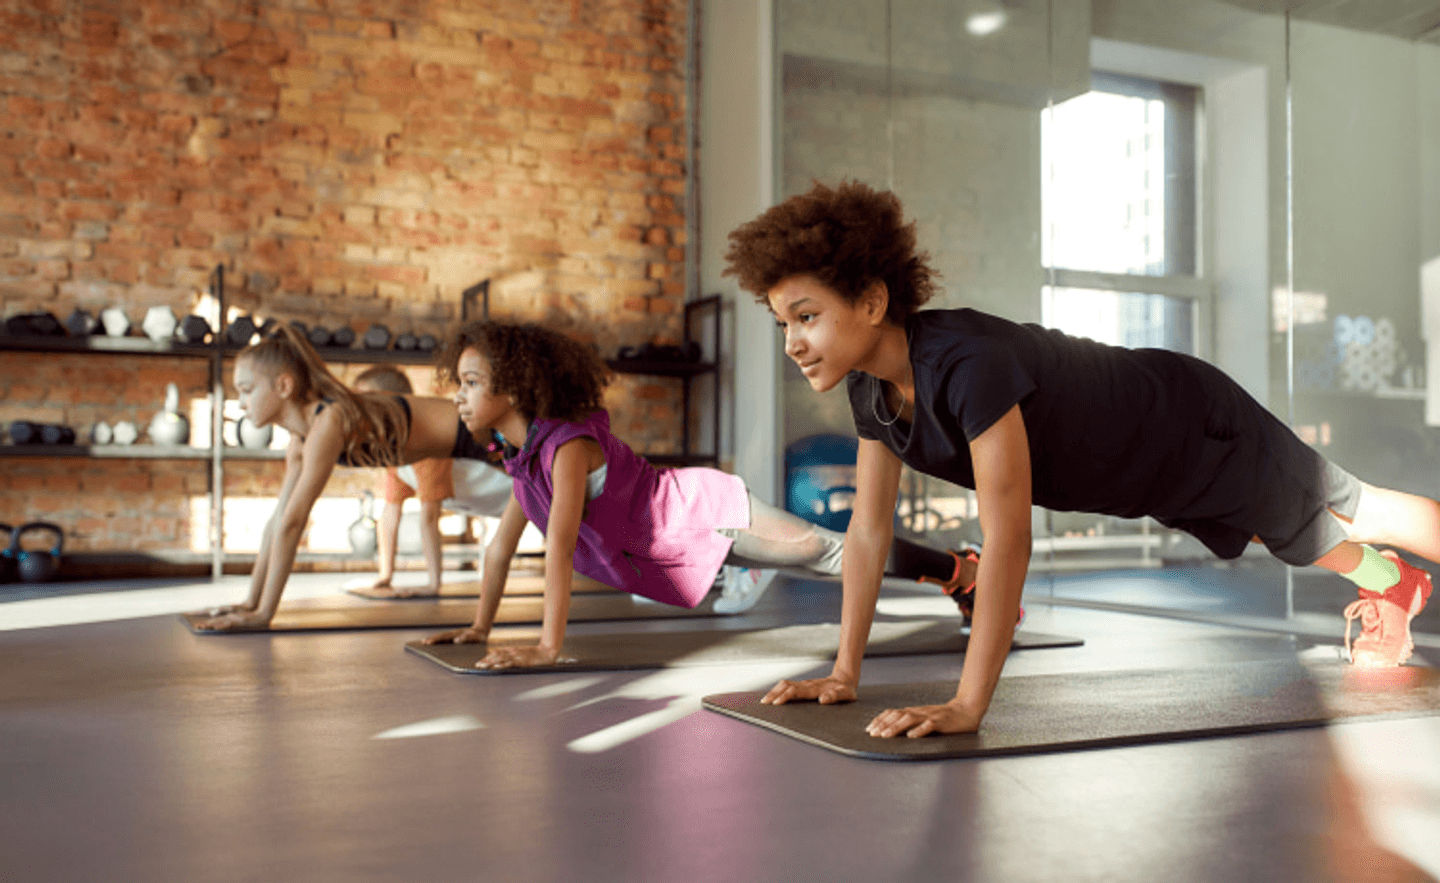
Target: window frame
(1185, 139)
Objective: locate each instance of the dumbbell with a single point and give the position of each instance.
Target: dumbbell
(319, 336)
(407, 342)
(34, 324)
(80, 323)
(55, 434)
(240, 330)
(32, 565)
(377, 337)
(428, 343)
(344, 336)
(194, 329)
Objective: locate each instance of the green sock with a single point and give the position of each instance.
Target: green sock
(1376, 572)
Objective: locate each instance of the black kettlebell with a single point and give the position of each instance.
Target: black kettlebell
(8, 573)
(36, 566)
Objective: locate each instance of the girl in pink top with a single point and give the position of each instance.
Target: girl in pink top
(605, 511)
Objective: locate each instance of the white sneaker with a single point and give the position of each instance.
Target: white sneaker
(743, 587)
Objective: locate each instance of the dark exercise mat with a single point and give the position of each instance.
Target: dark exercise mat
(718, 647)
(526, 582)
(331, 615)
(1105, 709)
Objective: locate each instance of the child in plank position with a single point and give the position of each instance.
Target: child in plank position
(605, 511)
(281, 380)
(1023, 414)
(472, 487)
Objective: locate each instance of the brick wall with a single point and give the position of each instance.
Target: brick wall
(348, 162)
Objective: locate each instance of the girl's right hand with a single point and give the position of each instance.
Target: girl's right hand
(826, 690)
(467, 635)
(221, 611)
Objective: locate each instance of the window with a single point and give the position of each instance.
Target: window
(1118, 209)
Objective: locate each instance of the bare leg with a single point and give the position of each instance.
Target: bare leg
(1394, 518)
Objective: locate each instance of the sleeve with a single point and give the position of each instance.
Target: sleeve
(434, 479)
(862, 404)
(392, 489)
(981, 386)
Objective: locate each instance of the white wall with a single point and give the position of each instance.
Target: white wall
(736, 183)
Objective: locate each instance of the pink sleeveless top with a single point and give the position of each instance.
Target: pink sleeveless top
(650, 531)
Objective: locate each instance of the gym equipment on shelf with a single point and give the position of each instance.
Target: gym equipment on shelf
(37, 565)
(114, 321)
(364, 538)
(80, 323)
(170, 427)
(55, 434)
(319, 336)
(34, 325)
(194, 329)
(23, 432)
(344, 337)
(159, 324)
(407, 342)
(377, 337)
(240, 330)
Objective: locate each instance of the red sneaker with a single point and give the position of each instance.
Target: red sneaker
(1384, 640)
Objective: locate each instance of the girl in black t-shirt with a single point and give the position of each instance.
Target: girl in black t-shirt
(1026, 415)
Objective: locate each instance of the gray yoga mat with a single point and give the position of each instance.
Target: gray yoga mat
(717, 647)
(339, 614)
(525, 582)
(1106, 709)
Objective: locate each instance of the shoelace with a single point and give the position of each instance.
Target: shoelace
(1365, 610)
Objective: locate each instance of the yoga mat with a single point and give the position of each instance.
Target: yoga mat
(719, 647)
(337, 614)
(525, 582)
(1068, 712)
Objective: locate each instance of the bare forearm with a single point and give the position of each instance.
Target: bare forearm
(557, 605)
(999, 584)
(262, 564)
(283, 547)
(430, 541)
(386, 539)
(861, 571)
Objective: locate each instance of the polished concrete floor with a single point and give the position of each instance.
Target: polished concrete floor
(131, 749)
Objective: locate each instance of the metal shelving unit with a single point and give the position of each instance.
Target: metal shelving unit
(218, 350)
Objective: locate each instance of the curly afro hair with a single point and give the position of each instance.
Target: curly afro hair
(551, 376)
(848, 237)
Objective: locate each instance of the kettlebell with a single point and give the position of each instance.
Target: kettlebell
(36, 566)
(8, 573)
(363, 537)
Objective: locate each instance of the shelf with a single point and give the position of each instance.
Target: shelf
(101, 344)
(137, 452)
(662, 369)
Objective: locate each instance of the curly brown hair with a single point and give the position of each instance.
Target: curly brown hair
(848, 237)
(551, 376)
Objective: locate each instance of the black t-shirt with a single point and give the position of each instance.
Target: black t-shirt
(1110, 430)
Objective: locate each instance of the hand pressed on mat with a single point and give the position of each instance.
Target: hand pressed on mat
(922, 720)
(518, 657)
(827, 691)
(235, 617)
(467, 635)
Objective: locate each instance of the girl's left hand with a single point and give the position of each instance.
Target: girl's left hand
(923, 720)
(518, 657)
(236, 619)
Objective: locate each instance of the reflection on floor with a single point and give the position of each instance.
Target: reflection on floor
(131, 749)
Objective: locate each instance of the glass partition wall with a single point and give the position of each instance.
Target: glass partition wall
(1254, 182)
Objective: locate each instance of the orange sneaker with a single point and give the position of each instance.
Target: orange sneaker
(963, 594)
(1384, 640)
